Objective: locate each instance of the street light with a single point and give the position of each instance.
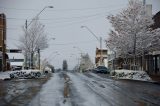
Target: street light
(38, 15)
(99, 40)
(78, 49)
(79, 59)
(113, 62)
(26, 26)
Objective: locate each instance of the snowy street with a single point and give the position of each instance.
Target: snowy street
(19, 92)
(92, 90)
(80, 53)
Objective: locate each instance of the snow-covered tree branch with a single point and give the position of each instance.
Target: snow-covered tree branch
(34, 38)
(131, 34)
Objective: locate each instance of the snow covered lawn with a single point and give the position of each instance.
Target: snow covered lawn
(131, 74)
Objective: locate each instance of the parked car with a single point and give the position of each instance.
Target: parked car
(14, 68)
(102, 69)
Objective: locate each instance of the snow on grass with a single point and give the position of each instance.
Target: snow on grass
(133, 75)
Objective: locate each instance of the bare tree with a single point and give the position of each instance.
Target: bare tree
(33, 39)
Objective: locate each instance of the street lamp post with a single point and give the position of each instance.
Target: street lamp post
(26, 26)
(35, 18)
(3, 39)
(78, 49)
(79, 59)
(99, 40)
(113, 61)
(39, 60)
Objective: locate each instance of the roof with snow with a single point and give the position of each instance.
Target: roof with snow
(16, 63)
(15, 55)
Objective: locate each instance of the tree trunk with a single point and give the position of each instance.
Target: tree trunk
(32, 53)
(134, 51)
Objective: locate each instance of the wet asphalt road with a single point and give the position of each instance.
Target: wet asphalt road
(127, 92)
(114, 92)
(19, 92)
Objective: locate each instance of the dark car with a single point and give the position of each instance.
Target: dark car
(102, 69)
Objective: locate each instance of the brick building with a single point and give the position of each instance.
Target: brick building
(104, 57)
(3, 58)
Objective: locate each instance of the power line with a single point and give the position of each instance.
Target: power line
(71, 43)
(74, 22)
(71, 9)
(18, 9)
(71, 21)
(62, 18)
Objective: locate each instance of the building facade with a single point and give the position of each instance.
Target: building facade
(3, 58)
(16, 59)
(101, 54)
(152, 64)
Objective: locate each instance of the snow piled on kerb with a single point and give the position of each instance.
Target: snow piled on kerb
(51, 93)
(133, 75)
(6, 75)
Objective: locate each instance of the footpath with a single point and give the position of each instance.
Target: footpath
(155, 78)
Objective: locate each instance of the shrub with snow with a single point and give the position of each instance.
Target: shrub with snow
(26, 74)
(131, 74)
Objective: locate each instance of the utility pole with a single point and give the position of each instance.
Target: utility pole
(3, 39)
(113, 61)
(39, 60)
(100, 42)
(26, 26)
(101, 58)
(26, 54)
(3, 51)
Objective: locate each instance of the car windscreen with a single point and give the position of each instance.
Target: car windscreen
(101, 67)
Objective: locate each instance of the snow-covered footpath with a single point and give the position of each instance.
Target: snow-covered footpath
(132, 74)
(52, 93)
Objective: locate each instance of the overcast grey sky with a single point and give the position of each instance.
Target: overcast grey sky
(63, 23)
